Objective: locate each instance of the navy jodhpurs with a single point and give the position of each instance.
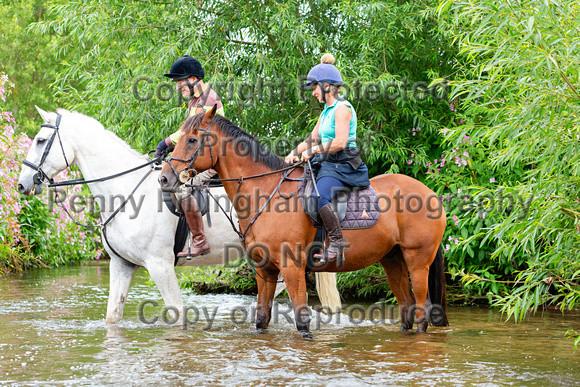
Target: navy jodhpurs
(328, 187)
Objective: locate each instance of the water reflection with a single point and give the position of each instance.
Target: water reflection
(52, 330)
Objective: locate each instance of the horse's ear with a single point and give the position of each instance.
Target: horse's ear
(208, 116)
(46, 116)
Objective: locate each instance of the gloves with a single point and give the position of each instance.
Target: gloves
(163, 149)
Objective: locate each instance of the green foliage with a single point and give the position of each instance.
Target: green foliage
(53, 237)
(519, 98)
(31, 235)
(369, 283)
(26, 56)
(501, 150)
(15, 254)
(258, 56)
(238, 277)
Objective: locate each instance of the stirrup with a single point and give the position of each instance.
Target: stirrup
(189, 256)
(324, 260)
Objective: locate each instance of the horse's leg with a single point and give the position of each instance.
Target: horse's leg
(267, 282)
(163, 274)
(398, 277)
(120, 275)
(296, 287)
(418, 262)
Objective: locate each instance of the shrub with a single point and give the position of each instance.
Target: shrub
(31, 235)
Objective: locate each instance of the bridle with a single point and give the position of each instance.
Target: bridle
(189, 172)
(40, 175)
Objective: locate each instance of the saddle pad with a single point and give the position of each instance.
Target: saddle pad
(362, 205)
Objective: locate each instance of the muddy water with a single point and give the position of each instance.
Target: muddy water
(52, 331)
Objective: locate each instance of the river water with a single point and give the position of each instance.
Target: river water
(52, 331)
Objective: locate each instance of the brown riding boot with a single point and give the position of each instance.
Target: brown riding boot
(194, 219)
(335, 242)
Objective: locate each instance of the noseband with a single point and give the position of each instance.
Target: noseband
(41, 176)
(189, 172)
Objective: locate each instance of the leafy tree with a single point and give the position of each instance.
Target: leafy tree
(26, 57)
(519, 95)
(257, 54)
(392, 54)
(396, 58)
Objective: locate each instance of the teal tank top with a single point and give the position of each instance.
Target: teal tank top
(327, 129)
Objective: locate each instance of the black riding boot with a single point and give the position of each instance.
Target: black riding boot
(335, 242)
(194, 219)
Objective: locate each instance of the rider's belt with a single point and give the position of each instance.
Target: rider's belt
(349, 155)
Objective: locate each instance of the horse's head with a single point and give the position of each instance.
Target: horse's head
(49, 154)
(195, 151)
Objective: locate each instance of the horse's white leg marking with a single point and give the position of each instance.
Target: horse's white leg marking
(120, 276)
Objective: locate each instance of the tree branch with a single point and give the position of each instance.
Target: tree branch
(240, 42)
(154, 2)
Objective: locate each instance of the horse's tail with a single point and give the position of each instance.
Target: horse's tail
(327, 291)
(437, 291)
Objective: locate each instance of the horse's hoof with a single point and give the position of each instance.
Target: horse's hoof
(261, 331)
(421, 331)
(306, 334)
(403, 329)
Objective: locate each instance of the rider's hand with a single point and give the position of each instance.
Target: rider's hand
(291, 158)
(307, 154)
(162, 149)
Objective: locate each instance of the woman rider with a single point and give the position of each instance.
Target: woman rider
(188, 75)
(334, 139)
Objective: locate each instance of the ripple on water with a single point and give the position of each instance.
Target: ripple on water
(53, 331)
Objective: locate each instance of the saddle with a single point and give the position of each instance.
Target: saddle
(356, 208)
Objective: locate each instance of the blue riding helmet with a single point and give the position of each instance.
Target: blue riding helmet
(324, 72)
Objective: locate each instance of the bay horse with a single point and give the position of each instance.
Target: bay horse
(134, 238)
(405, 241)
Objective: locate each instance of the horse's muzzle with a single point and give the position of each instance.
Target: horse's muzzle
(35, 189)
(168, 182)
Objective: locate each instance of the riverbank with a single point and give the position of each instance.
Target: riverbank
(369, 284)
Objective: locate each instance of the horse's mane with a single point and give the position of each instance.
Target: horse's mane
(257, 150)
(96, 126)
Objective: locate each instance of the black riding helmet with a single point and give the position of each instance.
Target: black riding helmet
(185, 67)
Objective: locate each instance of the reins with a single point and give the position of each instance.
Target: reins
(185, 175)
(242, 178)
(104, 224)
(41, 176)
(238, 230)
(101, 179)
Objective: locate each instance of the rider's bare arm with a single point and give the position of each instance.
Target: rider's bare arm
(312, 141)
